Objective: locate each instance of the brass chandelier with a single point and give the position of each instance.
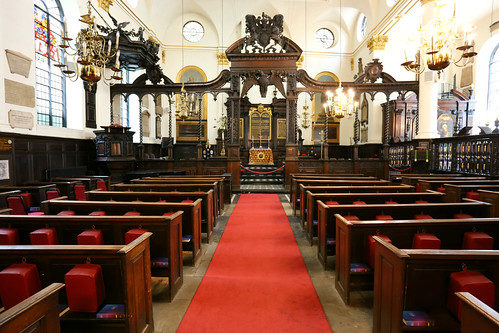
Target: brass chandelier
(442, 43)
(91, 57)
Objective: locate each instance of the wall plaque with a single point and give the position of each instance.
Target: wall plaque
(5, 144)
(19, 93)
(4, 169)
(18, 63)
(20, 119)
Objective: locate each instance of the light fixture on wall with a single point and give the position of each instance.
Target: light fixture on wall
(338, 105)
(91, 56)
(442, 43)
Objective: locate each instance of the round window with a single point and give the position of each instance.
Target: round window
(324, 37)
(193, 31)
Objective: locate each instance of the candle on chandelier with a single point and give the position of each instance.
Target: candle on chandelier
(65, 28)
(109, 47)
(117, 63)
(117, 39)
(58, 56)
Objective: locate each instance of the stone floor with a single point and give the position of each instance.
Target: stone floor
(356, 318)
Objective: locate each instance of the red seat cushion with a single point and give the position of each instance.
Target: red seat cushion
(90, 237)
(462, 216)
(168, 213)
(441, 189)
(85, 288)
(18, 282)
(370, 247)
(9, 236)
(331, 202)
(16, 203)
(52, 194)
(36, 213)
(421, 202)
(45, 236)
(391, 202)
(133, 234)
(101, 185)
(359, 202)
(132, 213)
(97, 213)
(417, 187)
(137, 200)
(473, 282)
(66, 213)
(27, 199)
(423, 217)
(161, 201)
(187, 201)
(80, 192)
(473, 195)
(383, 217)
(475, 240)
(351, 218)
(425, 241)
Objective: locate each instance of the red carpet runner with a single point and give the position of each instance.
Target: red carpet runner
(257, 280)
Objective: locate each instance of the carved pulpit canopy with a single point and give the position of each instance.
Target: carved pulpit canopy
(264, 34)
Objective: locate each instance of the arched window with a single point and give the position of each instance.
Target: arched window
(50, 83)
(493, 98)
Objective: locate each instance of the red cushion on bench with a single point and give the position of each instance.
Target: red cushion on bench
(101, 185)
(36, 213)
(137, 200)
(16, 203)
(90, 237)
(351, 218)
(462, 216)
(475, 240)
(66, 213)
(27, 199)
(97, 213)
(18, 282)
(168, 213)
(370, 247)
(44, 236)
(421, 202)
(9, 236)
(417, 187)
(391, 202)
(425, 241)
(423, 217)
(359, 202)
(384, 217)
(80, 192)
(52, 194)
(133, 234)
(162, 201)
(187, 201)
(132, 213)
(441, 189)
(85, 288)
(331, 202)
(473, 282)
(473, 195)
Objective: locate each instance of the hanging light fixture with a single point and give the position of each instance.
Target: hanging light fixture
(340, 104)
(439, 43)
(305, 117)
(91, 57)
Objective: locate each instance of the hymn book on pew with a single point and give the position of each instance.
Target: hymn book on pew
(112, 311)
(417, 318)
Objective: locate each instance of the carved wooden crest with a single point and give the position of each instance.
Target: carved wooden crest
(264, 34)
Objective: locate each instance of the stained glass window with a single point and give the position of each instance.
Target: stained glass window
(50, 83)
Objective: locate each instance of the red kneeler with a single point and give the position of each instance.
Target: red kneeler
(133, 234)
(370, 247)
(9, 236)
(425, 241)
(473, 282)
(90, 237)
(18, 282)
(85, 288)
(475, 240)
(45, 236)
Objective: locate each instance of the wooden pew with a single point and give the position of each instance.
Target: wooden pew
(90, 182)
(396, 178)
(39, 311)
(208, 216)
(367, 197)
(336, 181)
(66, 188)
(418, 280)
(346, 189)
(5, 195)
(352, 236)
(491, 197)
(477, 316)
(411, 179)
(191, 217)
(435, 184)
(127, 280)
(37, 191)
(170, 188)
(165, 241)
(456, 192)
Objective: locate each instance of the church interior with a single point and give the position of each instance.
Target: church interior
(263, 166)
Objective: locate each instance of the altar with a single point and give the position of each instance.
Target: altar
(261, 156)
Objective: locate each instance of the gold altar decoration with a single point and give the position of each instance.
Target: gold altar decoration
(261, 156)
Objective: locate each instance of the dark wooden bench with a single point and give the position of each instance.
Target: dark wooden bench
(352, 238)
(191, 217)
(491, 197)
(127, 280)
(477, 316)
(40, 312)
(208, 216)
(456, 192)
(367, 197)
(38, 192)
(435, 184)
(413, 179)
(396, 178)
(5, 195)
(346, 189)
(90, 182)
(418, 280)
(170, 188)
(295, 176)
(165, 241)
(66, 188)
